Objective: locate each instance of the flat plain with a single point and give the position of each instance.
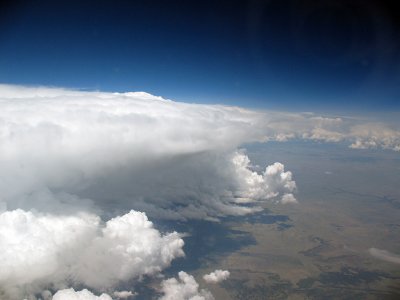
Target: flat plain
(349, 202)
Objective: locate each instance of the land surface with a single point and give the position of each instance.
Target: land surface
(349, 202)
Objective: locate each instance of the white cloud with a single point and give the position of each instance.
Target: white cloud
(124, 294)
(144, 152)
(70, 151)
(375, 135)
(253, 186)
(183, 288)
(59, 250)
(384, 255)
(71, 294)
(68, 157)
(358, 132)
(216, 276)
(288, 198)
(128, 247)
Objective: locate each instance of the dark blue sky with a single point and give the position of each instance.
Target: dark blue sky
(308, 55)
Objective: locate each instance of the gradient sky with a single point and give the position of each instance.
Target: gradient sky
(307, 55)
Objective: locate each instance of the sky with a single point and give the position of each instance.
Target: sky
(110, 121)
(289, 55)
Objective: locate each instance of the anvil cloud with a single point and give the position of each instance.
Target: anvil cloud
(82, 171)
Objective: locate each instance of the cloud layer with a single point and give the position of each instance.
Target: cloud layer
(357, 132)
(78, 167)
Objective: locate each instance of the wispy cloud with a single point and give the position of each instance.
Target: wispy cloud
(384, 255)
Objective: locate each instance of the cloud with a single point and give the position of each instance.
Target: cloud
(72, 160)
(124, 294)
(359, 133)
(71, 294)
(274, 181)
(288, 198)
(384, 255)
(77, 167)
(70, 151)
(183, 288)
(375, 135)
(216, 276)
(62, 250)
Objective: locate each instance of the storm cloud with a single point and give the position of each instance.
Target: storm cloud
(77, 167)
(82, 172)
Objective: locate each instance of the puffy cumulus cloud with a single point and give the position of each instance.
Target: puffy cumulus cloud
(39, 247)
(40, 251)
(71, 294)
(384, 255)
(128, 247)
(252, 186)
(124, 294)
(216, 276)
(183, 288)
(288, 198)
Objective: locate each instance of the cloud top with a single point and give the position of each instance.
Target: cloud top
(66, 150)
(81, 171)
(71, 294)
(216, 276)
(183, 288)
(63, 250)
